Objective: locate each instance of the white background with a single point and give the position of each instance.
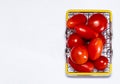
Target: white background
(32, 41)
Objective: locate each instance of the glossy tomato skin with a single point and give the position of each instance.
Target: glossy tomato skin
(101, 63)
(97, 22)
(79, 54)
(74, 40)
(76, 20)
(85, 32)
(86, 67)
(103, 38)
(95, 48)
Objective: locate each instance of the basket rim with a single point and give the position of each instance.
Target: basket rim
(88, 73)
(89, 11)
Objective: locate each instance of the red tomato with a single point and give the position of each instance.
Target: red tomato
(86, 32)
(98, 22)
(101, 63)
(86, 67)
(103, 38)
(79, 54)
(76, 20)
(74, 40)
(95, 48)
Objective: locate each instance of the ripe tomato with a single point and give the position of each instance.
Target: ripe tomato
(98, 22)
(79, 54)
(95, 48)
(86, 67)
(74, 40)
(76, 20)
(101, 63)
(86, 32)
(103, 38)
